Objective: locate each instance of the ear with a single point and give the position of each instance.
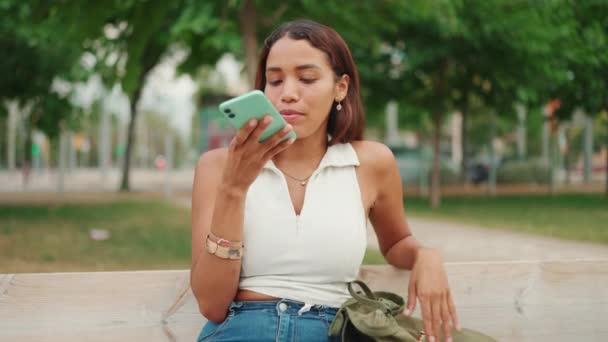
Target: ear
(341, 88)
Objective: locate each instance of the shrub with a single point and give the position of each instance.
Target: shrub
(523, 172)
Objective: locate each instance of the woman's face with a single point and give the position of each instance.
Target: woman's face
(301, 84)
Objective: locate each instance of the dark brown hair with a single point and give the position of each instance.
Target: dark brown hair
(346, 125)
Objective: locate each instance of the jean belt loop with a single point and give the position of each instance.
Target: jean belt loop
(321, 309)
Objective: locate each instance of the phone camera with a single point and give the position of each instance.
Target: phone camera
(231, 115)
(227, 110)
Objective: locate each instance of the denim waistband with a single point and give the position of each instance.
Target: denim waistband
(287, 306)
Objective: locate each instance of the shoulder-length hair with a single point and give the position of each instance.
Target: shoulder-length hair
(347, 124)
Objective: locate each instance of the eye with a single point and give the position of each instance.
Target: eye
(274, 83)
(308, 80)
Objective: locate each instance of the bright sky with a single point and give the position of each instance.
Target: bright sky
(164, 92)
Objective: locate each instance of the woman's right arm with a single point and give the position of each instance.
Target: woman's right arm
(214, 281)
(221, 180)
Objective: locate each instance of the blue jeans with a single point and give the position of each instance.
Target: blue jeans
(278, 320)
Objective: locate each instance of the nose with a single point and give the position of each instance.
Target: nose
(289, 93)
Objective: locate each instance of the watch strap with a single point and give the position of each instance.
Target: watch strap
(223, 252)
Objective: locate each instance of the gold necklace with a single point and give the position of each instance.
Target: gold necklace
(302, 181)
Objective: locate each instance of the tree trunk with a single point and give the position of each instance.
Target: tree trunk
(606, 192)
(126, 165)
(11, 136)
(150, 58)
(248, 21)
(553, 150)
(436, 168)
(521, 131)
(61, 158)
(464, 146)
(567, 158)
(492, 163)
(587, 149)
(27, 153)
(464, 142)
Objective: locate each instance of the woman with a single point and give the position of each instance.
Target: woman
(296, 210)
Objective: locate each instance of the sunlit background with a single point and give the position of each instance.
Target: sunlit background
(496, 111)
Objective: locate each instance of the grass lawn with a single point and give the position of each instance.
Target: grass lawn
(145, 234)
(576, 217)
(148, 234)
(154, 234)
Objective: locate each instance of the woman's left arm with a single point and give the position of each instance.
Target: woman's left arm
(428, 280)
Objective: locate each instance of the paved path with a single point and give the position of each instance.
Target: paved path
(465, 243)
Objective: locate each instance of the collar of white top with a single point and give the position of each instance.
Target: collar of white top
(338, 155)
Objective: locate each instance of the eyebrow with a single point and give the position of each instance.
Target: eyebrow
(299, 67)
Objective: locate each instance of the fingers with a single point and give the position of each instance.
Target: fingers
(411, 298)
(262, 125)
(244, 132)
(436, 316)
(427, 317)
(452, 311)
(276, 138)
(445, 318)
(278, 148)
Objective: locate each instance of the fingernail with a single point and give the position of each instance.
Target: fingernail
(287, 128)
(290, 141)
(252, 123)
(431, 338)
(449, 339)
(268, 119)
(407, 312)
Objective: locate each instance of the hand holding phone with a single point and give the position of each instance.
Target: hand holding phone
(259, 138)
(253, 105)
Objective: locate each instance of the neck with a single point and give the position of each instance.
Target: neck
(304, 155)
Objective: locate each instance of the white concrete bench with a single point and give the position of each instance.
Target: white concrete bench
(512, 301)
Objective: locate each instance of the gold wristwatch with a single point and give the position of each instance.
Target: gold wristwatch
(224, 252)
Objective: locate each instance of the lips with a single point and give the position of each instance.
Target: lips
(291, 115)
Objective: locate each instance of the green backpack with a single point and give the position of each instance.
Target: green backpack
(377, 316)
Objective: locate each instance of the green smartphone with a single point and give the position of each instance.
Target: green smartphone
(253, 105)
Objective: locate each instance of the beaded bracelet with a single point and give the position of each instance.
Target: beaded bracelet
(223, 242)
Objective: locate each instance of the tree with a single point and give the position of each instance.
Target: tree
(127, 39)
(584, 81)
(34, 61)
(441, 55)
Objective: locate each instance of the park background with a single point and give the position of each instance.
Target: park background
(496, 111)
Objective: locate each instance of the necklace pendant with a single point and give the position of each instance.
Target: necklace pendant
(302, 183)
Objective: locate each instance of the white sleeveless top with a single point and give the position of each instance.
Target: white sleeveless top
(308, 257)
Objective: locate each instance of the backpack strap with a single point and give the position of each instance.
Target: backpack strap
(369, 298)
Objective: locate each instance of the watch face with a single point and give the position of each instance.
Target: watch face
(234, 253)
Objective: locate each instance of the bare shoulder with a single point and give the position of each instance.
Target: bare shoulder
(209, 168)
(374, 155)
(212, 160)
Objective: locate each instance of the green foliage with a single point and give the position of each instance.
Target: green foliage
(431, 56)
(600, 128)
(532, 171)
(33, 59)
(208, 29)
(127, 39)
(440, 52)
(449, 176)
(584, 60)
